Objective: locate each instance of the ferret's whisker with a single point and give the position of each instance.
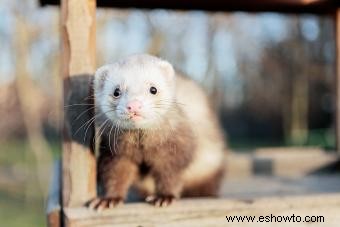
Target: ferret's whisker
(110, 139)
(105, 126)
(88, 121)
(81, 104)
(89, 97)
(115, 136)
(120, 110)
(118, 131)
(87, 128)
(171, 101)
(82, 113)
(96, 134)
(162, 104)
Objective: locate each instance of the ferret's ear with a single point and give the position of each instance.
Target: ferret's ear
(100, 77)
(167, 68)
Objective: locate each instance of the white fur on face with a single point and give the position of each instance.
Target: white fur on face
(134, 76)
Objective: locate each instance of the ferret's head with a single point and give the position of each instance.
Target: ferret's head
(136, 92)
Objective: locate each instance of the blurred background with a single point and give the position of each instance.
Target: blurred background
(271, 77)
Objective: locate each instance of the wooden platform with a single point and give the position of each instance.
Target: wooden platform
(270, 186)
(212, 212)
(279, 161)
(267, 181)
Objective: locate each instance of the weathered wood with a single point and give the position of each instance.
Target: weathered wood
(337, 40)
(290, 6)
(239, 167)
(54, 219)
(54, 200)
(295, 161)
(78, 62)
(211, 212)
(279, 161)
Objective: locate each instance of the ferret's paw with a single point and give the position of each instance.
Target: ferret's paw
(160, 200)
(100, 204)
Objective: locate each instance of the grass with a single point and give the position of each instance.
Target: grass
(18, 211)
(323, 138)
(21, 200)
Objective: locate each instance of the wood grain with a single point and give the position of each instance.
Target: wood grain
(210, 212)
(78, 63)
(54, 219)
(300, 161)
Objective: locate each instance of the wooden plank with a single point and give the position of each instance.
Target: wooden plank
(211, 212)
(78, 63)
(54, 200)
(292, 6)
(337, 40)
(54, 219)
(295, 161)
(279, 161)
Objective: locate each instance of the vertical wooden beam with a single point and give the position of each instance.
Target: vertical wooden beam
(337, 40)
(77, 65)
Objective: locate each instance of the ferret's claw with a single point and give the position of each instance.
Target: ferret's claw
(160, 201)
(100, 204)
(92, 204)
(150, 198)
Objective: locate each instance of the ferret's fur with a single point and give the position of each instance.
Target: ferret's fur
(177, 149)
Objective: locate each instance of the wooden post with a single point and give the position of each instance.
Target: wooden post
(77, 65)
(337, 40)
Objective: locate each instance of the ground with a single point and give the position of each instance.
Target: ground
(21, 199)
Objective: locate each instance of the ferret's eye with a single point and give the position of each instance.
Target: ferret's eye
(153, 90)
(117, 93)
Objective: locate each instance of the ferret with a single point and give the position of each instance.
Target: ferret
(158, 134)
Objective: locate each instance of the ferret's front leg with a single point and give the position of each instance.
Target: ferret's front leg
(167, 167)
(117, 175)
(168, 186)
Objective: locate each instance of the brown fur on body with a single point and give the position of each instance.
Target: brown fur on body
(161, 153)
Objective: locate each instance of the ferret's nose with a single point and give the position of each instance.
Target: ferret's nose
(134, 106)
